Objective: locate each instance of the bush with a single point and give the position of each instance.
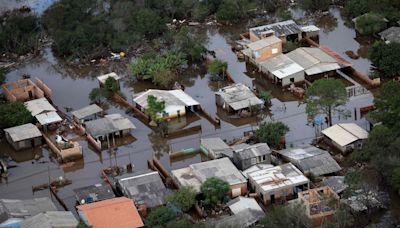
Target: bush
(314, 5)
(370, 24)
(160, 217)
(184, 198)
(217, 67)
(292, 215)
(214, 190)
(266, 96)
(271, 133)
(385, 57)
(14, 114)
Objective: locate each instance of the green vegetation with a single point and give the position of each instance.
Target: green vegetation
(314, 5)
(369, 24)
(387, 8)
(184, 198)
(286, 216)
(326, 96)
(19, 33)
(217, 67)
(160, 217)
(179, 223)
(214, 190)
(190, 44)
(82, 224)
(3, 73)
(155, 108)
(271, 133)
(14, 114)
(234, 10)
(266, 95)
(386, 58)
(112, 85)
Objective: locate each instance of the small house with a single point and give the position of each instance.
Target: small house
(391, 34)
(263, 49)
(345, 136)
(119, 212)
(87, 113)
(310, 31)
(223, 168)
(320, 204)
(237, 98)
(215, 148)
(310, 160)
(177, 102)
(278, 184)
(336, 183)
(93, 193)
(243, 204)
(284, 30)
(244, 218)
(51, 219)
(245, 155)
(103, 78)
(145, 189)
(43, 111)
(282, 70)
(24, 90)
(24, 136)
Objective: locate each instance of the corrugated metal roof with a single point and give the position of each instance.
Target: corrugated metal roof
(39, 106)
(22, 132)
(309, 28)
(51, 219)
(251, 151)
(336, 183)
(26, 208)
(93, 193)
(86, 111)
(243, 203)
(281, 66)
(109, 124)
(170, 97)
(239, 96)
(48, 118)
(103, 78)
(344, 134)
(265, 42)
(245, 218)
(391, 34)
(286, 28)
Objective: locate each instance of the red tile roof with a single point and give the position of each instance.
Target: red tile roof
(341, 61)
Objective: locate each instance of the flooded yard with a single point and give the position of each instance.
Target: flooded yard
(72, 86)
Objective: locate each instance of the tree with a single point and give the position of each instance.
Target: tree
(217, 67)
(160, 217)
(214, 190)
(385, 57)
(387, 103)
(271, 133)
(290, 216)
(184, 198)
(111, 84)
(326, 96)
(154, 108)
(181, 223)
(14, 114)
(96, 94)
(266, 95)
(314, 5)
(190, 44)
(370, 23)
(3, 73)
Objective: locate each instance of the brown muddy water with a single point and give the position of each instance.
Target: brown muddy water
(71, 87)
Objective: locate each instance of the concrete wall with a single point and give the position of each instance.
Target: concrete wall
(298, 77)
(253, 37)
(24, 144)
(238, 190)
(174, 114)
(22, 90)
(267, 52)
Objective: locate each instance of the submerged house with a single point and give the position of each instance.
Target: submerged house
(93, 193)
(245, 155)
(103, 78)
(263, 49)
(345, 136)
(196, 174)
(391, 35)
(238, 97)
(119, 212)
(87, 113)
(215, 148)
(144, 189)
(24, 136)
(25, 90)
(51, 219)
(310, 160)
(43, 111)
(278, 184)
(177, 102)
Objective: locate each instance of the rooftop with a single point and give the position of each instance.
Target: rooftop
(93, 193)
(146, 188)
(278, 177)
(336, 183)
(345, 133)
(86, 111)
(245, 218)
(243, 203)
(51, 219)
(48, 118)
(246, 151)
(118, 212)
(313, 60)
(264, 42)
(391, 34)
(39, 106)
(256, 167)
(102, 79)
(217, 146)
(319, 201)
(309, 28)
(109, 124)
(239, 96)
(283, 28)
(281, 66)
(311, 159)
(22, 132)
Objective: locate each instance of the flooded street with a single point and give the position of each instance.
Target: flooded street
(71, 88)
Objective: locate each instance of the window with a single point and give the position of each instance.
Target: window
(274, 50)
(292, 80)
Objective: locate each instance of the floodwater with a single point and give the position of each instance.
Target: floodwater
(71, 87)
(37, 6)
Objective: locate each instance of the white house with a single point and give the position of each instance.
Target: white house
(346, 136)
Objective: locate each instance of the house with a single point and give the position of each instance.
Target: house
(345, 136)
(43, 111)
(285, 30)
(119, 212)
(25, 90)
(282, 70)
(278, 184)
(177, 102)
(244, 203)
(245, 155)
(51, 219)
(310, 160)
(215, 148)
(263, 49)
(320, 204)
(236, 98)
(336, 183)
(103, 78)
(314, 61)
(196, 174)
(111, 125)
(145, 189)
(391, 34)
(93, 193)
(254, 168)
(310, 31)
(24, 136)
(13, 211)
(87, 113)
(244, 218)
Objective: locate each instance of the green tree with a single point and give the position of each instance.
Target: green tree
(228, 11)
(291, 216)
(369, 24)
(184, 198)
(3, 74)
(181, 223)
(266, 95)
(160, 217)
(190, 44)
(154, 108)
(314, 5)
(271, 133)
(149, 22)
(385, 57)
(14, 114)
(326, 96)
(214, 190)
(387, 103)
(96, 94)
(217, 67)
(111, 84)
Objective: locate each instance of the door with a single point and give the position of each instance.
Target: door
(272, 197)
(30, 94)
